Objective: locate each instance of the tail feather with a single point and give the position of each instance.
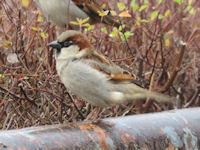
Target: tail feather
(141, 93)
(158, 96)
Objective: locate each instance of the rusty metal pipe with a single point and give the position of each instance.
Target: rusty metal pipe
(177, 129)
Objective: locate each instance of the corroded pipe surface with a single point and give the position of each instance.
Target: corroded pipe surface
(178, 129)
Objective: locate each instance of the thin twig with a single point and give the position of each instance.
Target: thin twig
(175, 68)
(72, 100)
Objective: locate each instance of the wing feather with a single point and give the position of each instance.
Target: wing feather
(92, 8)
(113, 72)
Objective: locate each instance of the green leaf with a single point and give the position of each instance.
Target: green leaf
(89, 28)
(178, 1)
(146, 2)
(34, 28)
(2, 76)
(103, 13)
(44, 35)
(8, 42)
(132, 3)
(40, 19)
(143, 7)
(86, 25)
(103, 6)
(167, 13)
(160, 1)
(135, 7)
(154, 14)
(114, 33)
(121, 6)
(104, 30)
(85, 20)
(190, 9)
(144, 21)
(167, 43)
(126, 35)
(74, 22)
(138, 21)
(121, 27)
(161, 16)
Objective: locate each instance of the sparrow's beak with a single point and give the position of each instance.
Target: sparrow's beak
(55, 44)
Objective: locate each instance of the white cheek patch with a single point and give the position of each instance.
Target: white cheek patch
(68, 52)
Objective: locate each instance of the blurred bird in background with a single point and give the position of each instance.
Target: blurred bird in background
(61, 12)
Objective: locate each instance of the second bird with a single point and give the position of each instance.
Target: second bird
(57, 12)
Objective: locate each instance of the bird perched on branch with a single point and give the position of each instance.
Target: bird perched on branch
(92, 77)
(57, 12)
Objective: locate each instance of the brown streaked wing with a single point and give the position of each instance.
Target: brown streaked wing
(92, 8)
(88, 5)
(98, 57)
(122, 76)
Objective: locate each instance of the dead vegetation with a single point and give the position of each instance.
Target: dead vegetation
(31, 93)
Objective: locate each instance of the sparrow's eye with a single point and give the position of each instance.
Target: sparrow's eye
(66, 43)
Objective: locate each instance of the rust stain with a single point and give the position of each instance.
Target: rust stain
(58, 143)
(162, 132)
(145, 147)
(85, 127)
(170, 147)
(127, 135)
(127, 139)
(101, 134)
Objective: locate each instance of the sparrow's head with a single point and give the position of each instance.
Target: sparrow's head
(69, 44)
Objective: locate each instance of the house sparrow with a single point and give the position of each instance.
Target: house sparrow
(57, 12)
(92, 77)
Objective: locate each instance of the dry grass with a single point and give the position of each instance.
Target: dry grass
(31, 93)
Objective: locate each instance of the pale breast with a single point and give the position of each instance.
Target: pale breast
(86, 82)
